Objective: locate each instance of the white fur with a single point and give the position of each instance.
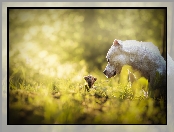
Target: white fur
(143, 56)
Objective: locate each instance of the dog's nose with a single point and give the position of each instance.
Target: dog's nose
(104, 72)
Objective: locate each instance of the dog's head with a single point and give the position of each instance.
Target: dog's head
(90, 80)
(110, 70)
(114, 59)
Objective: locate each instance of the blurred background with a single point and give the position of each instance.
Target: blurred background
(64, 42)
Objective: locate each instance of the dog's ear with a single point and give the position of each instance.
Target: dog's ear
(95, 78)
(115, 43)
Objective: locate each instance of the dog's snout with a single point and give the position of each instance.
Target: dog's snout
(114, 73)
(104, 72)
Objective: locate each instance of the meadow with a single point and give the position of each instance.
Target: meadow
(48, 100)
(50, 51)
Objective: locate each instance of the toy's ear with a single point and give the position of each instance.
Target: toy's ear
(115, 43)
(95, 78)
(85, 77)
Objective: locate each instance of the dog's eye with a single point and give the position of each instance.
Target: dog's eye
(107, 60)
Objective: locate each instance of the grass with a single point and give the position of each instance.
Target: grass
(40, 99)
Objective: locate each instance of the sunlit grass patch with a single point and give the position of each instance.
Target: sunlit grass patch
(48, 100)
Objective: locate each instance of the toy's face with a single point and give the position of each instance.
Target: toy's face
(90, 80)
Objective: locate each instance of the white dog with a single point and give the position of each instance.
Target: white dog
(143, 56)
